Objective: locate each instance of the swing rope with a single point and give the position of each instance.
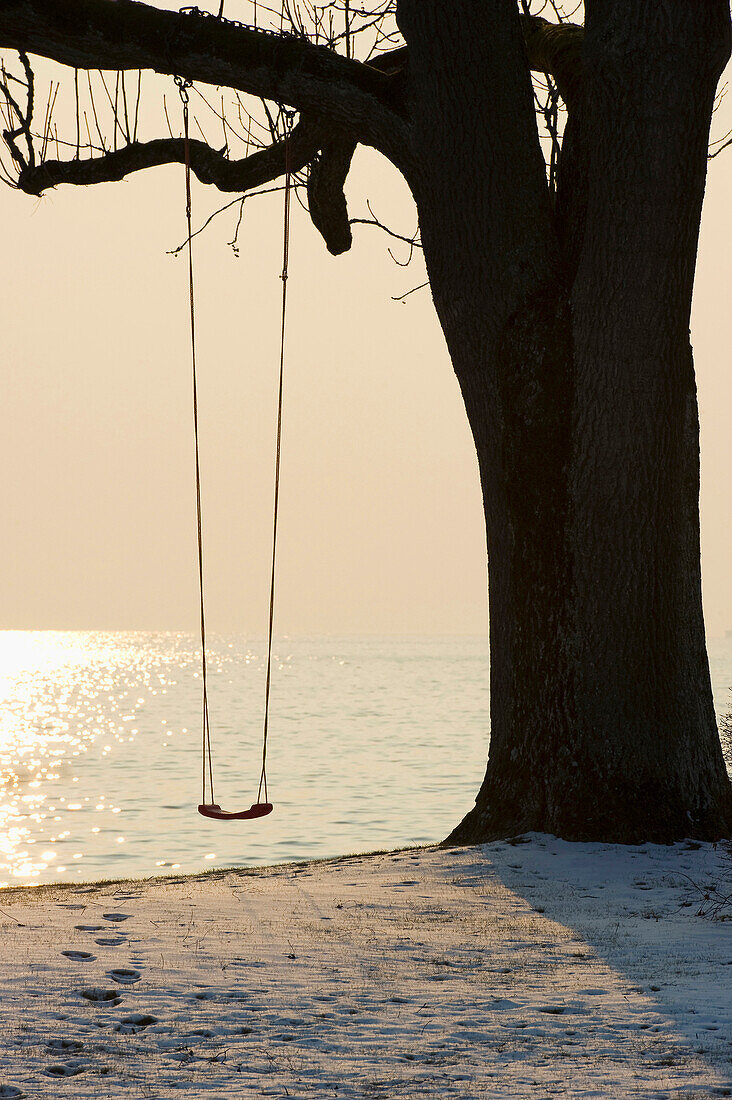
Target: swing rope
(206, 761)
(276, 508)
(207, 765)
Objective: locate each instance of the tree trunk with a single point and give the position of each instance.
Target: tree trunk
(575, 366)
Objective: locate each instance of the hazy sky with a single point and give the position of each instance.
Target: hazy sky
(381, 520)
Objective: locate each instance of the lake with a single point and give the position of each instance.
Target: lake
(374, 743)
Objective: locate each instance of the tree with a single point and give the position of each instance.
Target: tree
(565, 306)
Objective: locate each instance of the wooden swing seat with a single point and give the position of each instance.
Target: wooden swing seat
(213, 810)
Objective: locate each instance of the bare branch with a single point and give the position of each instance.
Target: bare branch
(411, 241)
(414, 241)
(23, 118)
(725, 144)
(209, 165)
(229, 206)
(403, 297)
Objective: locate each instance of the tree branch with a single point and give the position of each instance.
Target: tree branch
(326, 200)
(352, 102)
(123, 34)
(209, 165)
(551, 48)
(555, 49)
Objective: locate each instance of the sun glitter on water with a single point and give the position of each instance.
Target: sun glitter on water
(55, 702)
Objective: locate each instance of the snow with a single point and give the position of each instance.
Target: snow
(530, 969)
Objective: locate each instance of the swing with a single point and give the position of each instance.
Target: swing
(208, 807)
(213, 810)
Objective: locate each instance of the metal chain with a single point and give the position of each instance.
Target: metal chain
(192, 9)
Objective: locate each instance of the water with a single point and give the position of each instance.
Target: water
(374, 743)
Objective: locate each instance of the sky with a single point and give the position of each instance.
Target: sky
(381, 527)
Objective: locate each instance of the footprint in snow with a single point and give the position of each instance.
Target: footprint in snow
(222, 995)
(73, 1045)
(102, 996)
(136, 1021)
(64, 1069)
(110, 941)
(116, 918)
(124, 976)
(79, 956)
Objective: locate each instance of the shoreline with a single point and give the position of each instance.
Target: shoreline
(213, 872)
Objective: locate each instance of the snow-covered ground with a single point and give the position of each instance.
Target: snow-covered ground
(511, 970)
